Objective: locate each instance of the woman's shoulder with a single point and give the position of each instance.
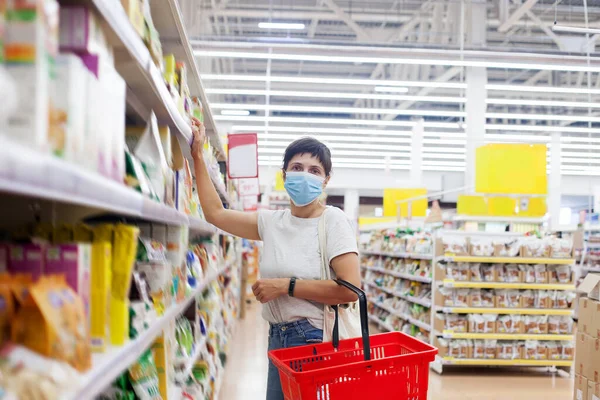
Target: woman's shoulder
(273, 215)
(335, 214)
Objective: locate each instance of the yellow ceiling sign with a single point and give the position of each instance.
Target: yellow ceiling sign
(418, 208)
(502, 168)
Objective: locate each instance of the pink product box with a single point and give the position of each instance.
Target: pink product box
(79, 32)
(74, 262)
(26, 259)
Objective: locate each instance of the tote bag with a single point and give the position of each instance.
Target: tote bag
(348, 314)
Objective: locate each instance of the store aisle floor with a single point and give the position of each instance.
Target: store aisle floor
(246, 374)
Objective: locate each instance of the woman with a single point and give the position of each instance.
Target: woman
(290, 288)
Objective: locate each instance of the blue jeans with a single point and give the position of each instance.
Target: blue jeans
(288, 334)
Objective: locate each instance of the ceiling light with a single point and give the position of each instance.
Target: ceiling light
(292, 137)
(336, 121)
(333, 81)
(355, 165)
(235, 112)
(542, 103)
(335, 146)
(393, 60)
(336, 95)
(541, 89)
(543, 117)
(280, 25)
(341, 110)
(391, 89)
(574, 29)
(539, 128)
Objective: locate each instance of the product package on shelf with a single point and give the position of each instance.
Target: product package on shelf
(587, 349)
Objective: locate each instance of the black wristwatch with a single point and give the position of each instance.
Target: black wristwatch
(292, 286)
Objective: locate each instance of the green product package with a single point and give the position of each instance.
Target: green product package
(144, 378)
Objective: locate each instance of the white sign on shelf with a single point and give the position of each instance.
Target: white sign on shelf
(249, 203)
(248, 187)
(242, 157)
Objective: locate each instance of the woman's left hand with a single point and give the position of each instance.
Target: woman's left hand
(266, 290)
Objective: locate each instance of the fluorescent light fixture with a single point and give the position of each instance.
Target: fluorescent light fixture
(543, 117)
(341, 110)
(292, 137)
(333, 81)
(393, 60)
(336, 121)
(540, 89)
(539, 128)
(281, 25)
(542, 103)
(235, 112)
(391, 89)
(337, 95)
(335, 146)
(574, 29)
(355, 165)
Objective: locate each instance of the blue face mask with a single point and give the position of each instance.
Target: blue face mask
(303, 188)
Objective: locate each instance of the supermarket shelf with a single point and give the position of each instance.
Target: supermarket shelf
(503, 336)
(200, 226)
(405, 317)
(523, 363)
(591, 269)
(218, 183)
(413, 256)
(510, 260)
(175, 40)
(141, 74)
(508, 220)
(382, 324)
(399, 274)
(107, 366)
(189, 364)
(416, 300)
(502, 285)
(520, 311)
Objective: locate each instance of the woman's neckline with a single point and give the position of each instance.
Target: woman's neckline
(308, 218)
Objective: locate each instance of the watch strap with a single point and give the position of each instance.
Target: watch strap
(292, 286)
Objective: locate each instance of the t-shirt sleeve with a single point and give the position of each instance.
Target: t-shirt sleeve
(341, 237)
(264, 220)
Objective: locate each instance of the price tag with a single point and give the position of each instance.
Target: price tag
(446, 310)
(447, 334)
(449, 284)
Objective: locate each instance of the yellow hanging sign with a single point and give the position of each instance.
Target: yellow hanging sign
(418, 208)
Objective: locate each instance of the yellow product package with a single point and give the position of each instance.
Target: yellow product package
(100, 295)
(7, 307)
(51, 321)
(83, 233)
(124, 254)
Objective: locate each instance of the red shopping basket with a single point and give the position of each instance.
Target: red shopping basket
(382, 367)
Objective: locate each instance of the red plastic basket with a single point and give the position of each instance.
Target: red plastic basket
(398, 369)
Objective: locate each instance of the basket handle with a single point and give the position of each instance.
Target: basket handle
(364, 319)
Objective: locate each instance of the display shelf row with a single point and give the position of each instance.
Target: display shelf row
(106, 367)
(502, 336)
(405, 317)
(28, 173)
(412, 299)
(399, 274)
(191, 361)
(381, 324)
(448, 283)
(508, 260)
(525, 363)
(519, 311)
(413, 256)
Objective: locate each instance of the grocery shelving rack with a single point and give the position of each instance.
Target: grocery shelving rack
(440, 282)
(60, 190)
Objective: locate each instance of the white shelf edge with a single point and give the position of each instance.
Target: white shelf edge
(414, 256)
(405, 317)
(411, 299)
(399, 274)
(116, 360)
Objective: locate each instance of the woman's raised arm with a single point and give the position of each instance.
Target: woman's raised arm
(238, 223)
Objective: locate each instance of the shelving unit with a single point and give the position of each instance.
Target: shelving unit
(441, 310)
(401, 298)
(63, 191)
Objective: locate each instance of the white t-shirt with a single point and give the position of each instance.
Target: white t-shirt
(291, 248)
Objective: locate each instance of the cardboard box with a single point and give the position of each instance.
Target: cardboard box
(589, 316)
(587, 357)
(590, 286)
(593, 392)
(581, 349)
(580, 391)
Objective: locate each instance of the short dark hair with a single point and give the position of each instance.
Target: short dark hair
(311, 146)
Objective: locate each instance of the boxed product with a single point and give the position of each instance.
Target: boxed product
(69, 89)
(81, 33)
(590, 286)
(27, 259)
(580, 388)
(593, 391)
(587, 357)
(133, 9)
(30, 48)
(74, 262)
(589, 316)
(100, 294)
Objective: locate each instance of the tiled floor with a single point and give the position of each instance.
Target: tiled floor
(246, 374)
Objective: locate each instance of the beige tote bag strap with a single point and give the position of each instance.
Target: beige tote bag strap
(325, 272)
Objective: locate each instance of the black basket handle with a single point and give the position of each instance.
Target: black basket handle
(364, 319)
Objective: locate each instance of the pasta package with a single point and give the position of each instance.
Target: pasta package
(482, 247)
(457, 246)
(506, 247)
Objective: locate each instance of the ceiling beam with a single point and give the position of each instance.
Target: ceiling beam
(445, 77)
(360, 32)
(545, 28)
(516, 15)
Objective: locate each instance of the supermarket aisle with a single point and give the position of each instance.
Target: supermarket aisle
(246, 374)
